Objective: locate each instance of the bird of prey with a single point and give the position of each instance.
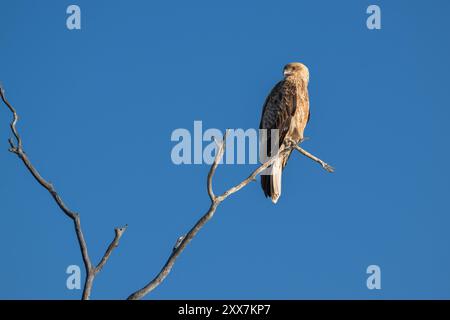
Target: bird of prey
(286, 110)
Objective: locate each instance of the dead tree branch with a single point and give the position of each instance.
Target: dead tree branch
(91, 270)
(16, 147)
(312, 157)
(183, 241)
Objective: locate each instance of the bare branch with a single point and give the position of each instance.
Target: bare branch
(251, 177)
(17, 148)
(215, 202)
(312, 157)
(13, 122)
(181, 243)
(114, 244)
(217, 158)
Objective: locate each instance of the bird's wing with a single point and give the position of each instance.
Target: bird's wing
(278, 111)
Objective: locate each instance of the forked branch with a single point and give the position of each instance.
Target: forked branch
(183, 241)
(16, 147)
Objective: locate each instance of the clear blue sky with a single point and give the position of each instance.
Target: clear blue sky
(98, 107)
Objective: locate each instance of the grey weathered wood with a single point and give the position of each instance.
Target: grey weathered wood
(91, 271)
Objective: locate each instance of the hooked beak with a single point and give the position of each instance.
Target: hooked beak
(287, 73)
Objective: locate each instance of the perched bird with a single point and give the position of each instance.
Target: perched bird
(286, 109)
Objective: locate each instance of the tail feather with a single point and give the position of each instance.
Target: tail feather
(271, 183)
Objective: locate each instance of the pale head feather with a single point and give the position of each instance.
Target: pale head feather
(297, 70)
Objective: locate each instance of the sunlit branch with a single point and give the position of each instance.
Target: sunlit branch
(183, 241)
(16, 147)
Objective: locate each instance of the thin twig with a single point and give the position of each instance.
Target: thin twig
(181, 245)
(115, 243)
(312, 157)
(182, 242)
(91, 271)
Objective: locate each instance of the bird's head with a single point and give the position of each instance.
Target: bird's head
(296, 70)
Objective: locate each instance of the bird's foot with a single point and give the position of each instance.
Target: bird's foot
(290, 143)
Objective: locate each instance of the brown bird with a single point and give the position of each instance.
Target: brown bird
(286, 109)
